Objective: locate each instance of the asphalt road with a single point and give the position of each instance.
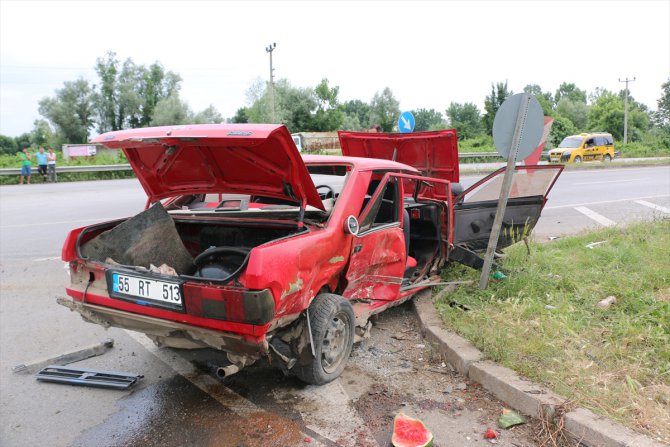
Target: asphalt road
(176, 405)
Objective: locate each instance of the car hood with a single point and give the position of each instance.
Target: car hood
(559, 150)
(254, 159)
(435, 153)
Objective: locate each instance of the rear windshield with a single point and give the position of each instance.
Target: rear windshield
(571, 142)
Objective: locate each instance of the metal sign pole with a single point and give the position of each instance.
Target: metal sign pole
(504, 192)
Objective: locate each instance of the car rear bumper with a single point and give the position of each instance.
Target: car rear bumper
(168, 333)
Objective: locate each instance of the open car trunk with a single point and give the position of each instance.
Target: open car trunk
(155, 241)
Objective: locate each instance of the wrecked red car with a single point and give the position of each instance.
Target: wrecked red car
(249, 250)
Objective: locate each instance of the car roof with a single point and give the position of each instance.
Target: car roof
(359, 163)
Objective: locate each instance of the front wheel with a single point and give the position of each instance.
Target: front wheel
(578, 159)
(607, 157)
(332, 320)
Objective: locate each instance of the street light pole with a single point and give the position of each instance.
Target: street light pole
(625, 110)
(269, 49)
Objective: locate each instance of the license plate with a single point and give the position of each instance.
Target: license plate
(145, 291)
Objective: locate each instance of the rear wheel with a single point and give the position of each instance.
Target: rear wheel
(331, 318)
(607, 157)
(578, 159)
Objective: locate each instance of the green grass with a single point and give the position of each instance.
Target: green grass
(614, 361)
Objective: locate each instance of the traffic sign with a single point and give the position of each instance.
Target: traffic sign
(406, 122)
(505, 122)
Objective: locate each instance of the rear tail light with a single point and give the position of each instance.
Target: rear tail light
(229, 304)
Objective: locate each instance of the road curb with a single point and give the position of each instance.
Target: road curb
(519, 393)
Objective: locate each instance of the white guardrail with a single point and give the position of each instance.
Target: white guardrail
(126, 167)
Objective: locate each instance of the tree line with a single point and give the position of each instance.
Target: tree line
(129, 95)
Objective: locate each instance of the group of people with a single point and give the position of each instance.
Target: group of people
(46, 165)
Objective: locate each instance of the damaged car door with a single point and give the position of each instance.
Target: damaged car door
(475, 208)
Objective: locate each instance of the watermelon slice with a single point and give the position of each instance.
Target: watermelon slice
(408, 432)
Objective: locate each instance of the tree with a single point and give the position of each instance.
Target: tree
(662, 116)
(607, 115)
(8, 145)
(41, 135)
(241, 116)
(357, 115)
(466, 119)
(384, 110)
(428, 120)
(561, 128)
(156, 84)
(328, 115)
(171, 110)
(545, 99)
(208, 116)
(106, 99)
(575, 111)
(499, 92)
(71, 111)
(571, 92)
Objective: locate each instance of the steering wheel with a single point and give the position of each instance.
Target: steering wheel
(330, 191)
(218, 251)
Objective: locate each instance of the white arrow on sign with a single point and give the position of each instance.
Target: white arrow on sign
(405, 123)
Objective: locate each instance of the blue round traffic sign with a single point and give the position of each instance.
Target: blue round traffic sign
(406, 122)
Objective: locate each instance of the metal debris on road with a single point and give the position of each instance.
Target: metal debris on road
(65, 358)
(88, 377)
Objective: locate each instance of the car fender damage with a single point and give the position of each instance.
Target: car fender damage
(258, 262)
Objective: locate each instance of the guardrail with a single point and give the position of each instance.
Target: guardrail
(126, 167)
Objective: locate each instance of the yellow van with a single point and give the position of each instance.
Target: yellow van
(583, 147)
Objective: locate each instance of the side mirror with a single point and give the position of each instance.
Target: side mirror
(351, 225)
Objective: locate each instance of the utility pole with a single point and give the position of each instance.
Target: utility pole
(625, 110)
(269, 49)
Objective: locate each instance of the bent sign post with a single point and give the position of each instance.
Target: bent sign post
(517, 130)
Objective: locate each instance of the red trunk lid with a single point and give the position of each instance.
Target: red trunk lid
(435, 153)
(254, 159)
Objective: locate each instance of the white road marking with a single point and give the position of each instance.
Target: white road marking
(50, 258)
(40, 224)
(654, 206)
(610, 181)
(602, 220)
(572, 205)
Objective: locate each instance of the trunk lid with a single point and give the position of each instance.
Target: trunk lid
(254, 159)
(433, 153)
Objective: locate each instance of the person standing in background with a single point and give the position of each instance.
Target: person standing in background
(51, 165)
(25, 165)
(41, 157)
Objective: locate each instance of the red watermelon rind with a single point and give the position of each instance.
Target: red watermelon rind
(409, 432)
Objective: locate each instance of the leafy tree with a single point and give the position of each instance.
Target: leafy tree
(499, 92)
(107, 98)
(607, 115)
(241, 116)
(23, 140)
(8, 145)
(41, 135)
(71, 111)
(156, 85)
(428, 120)
(561, 128)
(357, 115)
(169, 111)
(575, 111)
(571, 92)
(328, 115)
(466, 119)
(545, 99)
(384, 110)
(208, 116)
(662, 116)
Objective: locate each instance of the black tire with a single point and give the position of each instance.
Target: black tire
(578, 159)
(607, 157)
(332, 320)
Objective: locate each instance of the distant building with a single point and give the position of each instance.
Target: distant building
(87, 150)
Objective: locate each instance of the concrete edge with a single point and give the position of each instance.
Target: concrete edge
(521, 394)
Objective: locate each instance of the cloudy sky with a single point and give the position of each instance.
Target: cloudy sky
(428, 53)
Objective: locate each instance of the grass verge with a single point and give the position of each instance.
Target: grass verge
(544, 321)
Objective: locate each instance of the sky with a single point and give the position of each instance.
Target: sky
(428, 53)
